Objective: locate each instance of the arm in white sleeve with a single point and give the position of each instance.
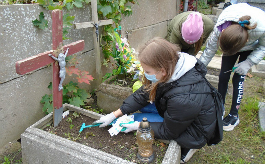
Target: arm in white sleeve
(211, 47)
(258, 54)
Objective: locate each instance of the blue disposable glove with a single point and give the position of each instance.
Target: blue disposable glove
(106, 120)
(130, 126)
(243, 67)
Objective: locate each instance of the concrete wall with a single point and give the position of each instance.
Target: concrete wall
(257, 3)
(20, 95)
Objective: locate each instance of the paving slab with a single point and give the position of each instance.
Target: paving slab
(262, 115)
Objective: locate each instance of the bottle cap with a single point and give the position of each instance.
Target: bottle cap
(144, 125)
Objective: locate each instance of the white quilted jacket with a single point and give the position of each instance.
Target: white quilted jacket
(256, 40)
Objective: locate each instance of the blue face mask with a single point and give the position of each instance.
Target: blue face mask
(151, 77)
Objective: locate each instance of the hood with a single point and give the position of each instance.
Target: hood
(185, 63)
(234, 12)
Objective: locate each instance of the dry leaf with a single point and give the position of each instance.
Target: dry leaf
(249, 75)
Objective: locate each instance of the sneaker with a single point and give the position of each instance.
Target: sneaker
(186, 154)
(230, 122)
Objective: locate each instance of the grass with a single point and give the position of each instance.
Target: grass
(12, 158)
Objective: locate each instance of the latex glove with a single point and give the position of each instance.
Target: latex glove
(243, 67)
(131, 127)
(106, 120)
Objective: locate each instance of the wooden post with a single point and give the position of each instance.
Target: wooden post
(38, 61)
(95, 23)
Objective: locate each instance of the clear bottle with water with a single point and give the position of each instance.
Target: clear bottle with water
(145, 140)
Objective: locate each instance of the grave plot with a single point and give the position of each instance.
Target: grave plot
(39, 146)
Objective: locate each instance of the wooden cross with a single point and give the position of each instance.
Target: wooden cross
(95, 23)
(38, 61)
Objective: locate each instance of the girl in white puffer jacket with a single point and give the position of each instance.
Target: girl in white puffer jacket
(240, 32)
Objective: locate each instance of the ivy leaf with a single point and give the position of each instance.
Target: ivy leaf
(105, 10)
(50, 86)
(122, 2)
(76, 101)
(47, 107)
(55, 7)
(69, 6)
(82, 94)
(45, 3)
(65, 91)
(78, 3)
(45, 99)
(71, 88)
(67, 19)
(67, 1)
(42, 23)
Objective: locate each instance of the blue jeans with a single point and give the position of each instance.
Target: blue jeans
(150, 112)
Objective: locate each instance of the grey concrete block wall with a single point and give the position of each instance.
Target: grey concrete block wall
(20, 95)
(149, 19)
(257, 3)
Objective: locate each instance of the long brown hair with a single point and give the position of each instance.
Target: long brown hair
(158, 53)
(234, 37)
(198, 45)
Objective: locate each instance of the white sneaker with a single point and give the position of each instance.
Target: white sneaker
(230, 122)
(188, 156)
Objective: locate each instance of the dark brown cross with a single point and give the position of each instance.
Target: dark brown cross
(38, 61)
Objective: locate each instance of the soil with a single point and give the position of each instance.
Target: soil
(121, 145)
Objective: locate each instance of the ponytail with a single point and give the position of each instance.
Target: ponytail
(244, 22)
(235, 36)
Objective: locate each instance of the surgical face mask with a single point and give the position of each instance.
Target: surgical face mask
(151, 77)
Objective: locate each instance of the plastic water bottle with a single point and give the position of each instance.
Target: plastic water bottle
(145, 140)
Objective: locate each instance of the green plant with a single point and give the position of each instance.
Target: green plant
(88, 134)
(106, 9)
(14, 157)
(76, 115)
(72, 94)
(69, 119)
(71, 137)
(7, 161)
(122, 54)
(41, 23)
(202, 5)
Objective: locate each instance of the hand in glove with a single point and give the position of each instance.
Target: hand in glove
(243, 67)
(131, 127)
(106, 120)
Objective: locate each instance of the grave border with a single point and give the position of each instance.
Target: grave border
(39, 146)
